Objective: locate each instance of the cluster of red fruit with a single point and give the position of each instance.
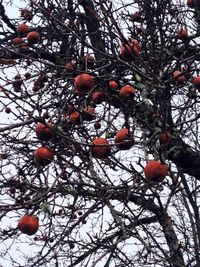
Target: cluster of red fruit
(181, 79)
(23, 30)
(155, 171)
(100, 147)
(43, 155)
(130, 50)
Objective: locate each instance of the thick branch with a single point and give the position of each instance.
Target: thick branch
(41, 55)
(93, 27)
(5, 18)
(172, 241)
(16, 125)
(184, 157)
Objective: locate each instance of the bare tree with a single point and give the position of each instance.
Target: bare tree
(100, 156)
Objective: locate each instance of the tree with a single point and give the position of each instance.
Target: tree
(100, 158)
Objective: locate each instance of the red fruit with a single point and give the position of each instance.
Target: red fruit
(43, 156)
(28, 224)
(155, 171)
(27, 75)
(17, 41)
(191, 3)
(51, 240)
(23, 29)
(89, 113)
(7, 110)
(43, 78)
(136, 17)
(12, 190)
(78, 92)
(68, 109)
(130, 51)
(97, 125)
(74, 216)
(84, 82)
(97, 97)
(80, 213)
(33, 37)
(89, 60)
(75, 117)
(113, 85)
(27, 14)
(35, 238)
(44, 132)
(17, 77)
(99, 150)
(196, 81)
(84, 221)
(17, 83)
(183, 33)
(71, 244)
(45, 238)
(123, 135)
(164, 138)
(35, 88)
(126, 92)
(69, 67)
(179, 76)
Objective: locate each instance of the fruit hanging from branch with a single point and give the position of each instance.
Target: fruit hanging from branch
(88, 113)
(113, 84)
(28, 224)
(179, 77)
(196, 82)
(33, 37)
(17, 40)
(100, 148)
(23, 29)
(75, 118)
(130, 51)
(84, 82)
(97, 97)
(43, 156)
(44, 132)
(155, 171)
(126, 92)
(183, 33)
(164, 137)
(89, 60)
(123, 139)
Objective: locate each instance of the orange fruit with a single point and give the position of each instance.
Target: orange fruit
(84, 82)
(155, 171)
(126, 92)
(123, 135)
(23, 29)
(100, 148)
(33, 37)
(44, 132)
(28, 224)
(43, 156)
